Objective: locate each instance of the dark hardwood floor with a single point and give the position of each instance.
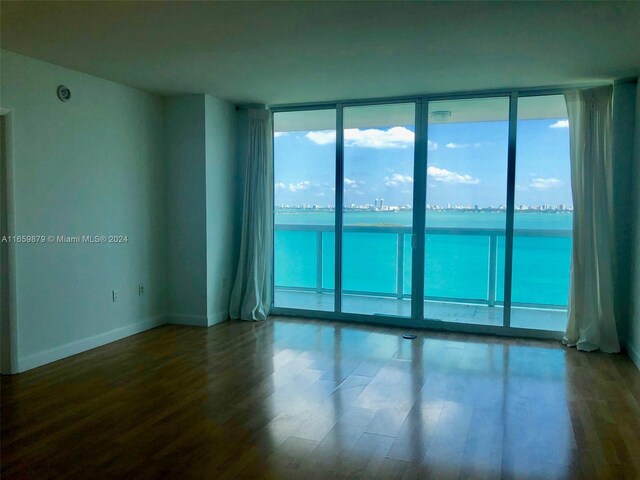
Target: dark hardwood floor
(293, 399)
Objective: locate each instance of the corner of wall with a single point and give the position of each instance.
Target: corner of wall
(218, 317)
(633, 354)
(221, 186)
(191, 320)
(631, 338)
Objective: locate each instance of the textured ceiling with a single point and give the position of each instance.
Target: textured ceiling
(273, 52)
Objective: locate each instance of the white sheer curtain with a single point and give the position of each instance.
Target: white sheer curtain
(251, 295)
(591, 324)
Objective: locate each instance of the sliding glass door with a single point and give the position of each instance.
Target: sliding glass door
(466, 212)
(379, 144)
(492, 190)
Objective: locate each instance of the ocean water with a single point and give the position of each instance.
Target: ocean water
(456, 266)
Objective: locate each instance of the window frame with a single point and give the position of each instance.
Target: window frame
(417, 319)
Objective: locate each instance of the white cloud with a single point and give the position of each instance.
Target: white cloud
(446, 176)
(545, 183)
(394, 137)
(322, 137)
(431, 146)
(280, 186)
(294, 187)
(560, 124)
(463, 145)
(396, 179)
(352, 183)
(279, 134)
(402, 178)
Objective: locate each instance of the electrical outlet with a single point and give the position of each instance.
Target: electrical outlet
(115, 295)
(140, 289)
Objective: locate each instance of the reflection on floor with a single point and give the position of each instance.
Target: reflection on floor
(535, 318)
(296, 399)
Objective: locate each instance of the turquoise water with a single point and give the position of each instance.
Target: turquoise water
(456, 266)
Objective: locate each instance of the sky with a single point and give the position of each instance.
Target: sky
(466, 165)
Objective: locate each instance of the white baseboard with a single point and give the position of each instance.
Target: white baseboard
(38, 359)
(218, 317)
(633, 354)
(192, 320)
(197, 320)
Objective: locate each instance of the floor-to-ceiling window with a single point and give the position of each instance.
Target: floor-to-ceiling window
(379, 145)
(304, 212)
(466, 210)
(493, 194)
(543, 215)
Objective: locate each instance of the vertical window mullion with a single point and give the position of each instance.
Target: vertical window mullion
(511, 181)
(339, 200)
(273, 213)
(419, 209)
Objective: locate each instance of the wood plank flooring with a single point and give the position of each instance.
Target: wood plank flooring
(300, 399)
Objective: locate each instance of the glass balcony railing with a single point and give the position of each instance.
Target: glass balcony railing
(457, 258)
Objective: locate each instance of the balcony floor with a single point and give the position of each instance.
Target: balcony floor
(534, 318)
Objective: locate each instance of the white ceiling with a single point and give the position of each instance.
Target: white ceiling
(286, 52)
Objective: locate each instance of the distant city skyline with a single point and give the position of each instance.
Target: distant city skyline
(467, 164)
(387, 208)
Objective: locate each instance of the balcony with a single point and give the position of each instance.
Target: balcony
(447, 298)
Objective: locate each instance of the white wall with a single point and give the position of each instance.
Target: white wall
(117, 161)
(223, 211)
(632, 340)
(624, 99)
(6, 228)
(91, 166)
(201, 207)
(186, 208)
